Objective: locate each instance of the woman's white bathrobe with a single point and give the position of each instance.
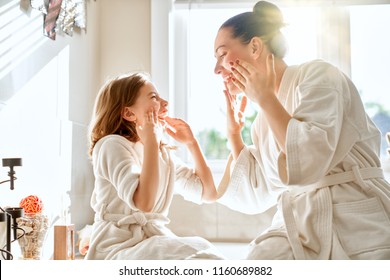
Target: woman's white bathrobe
(120, 230)
(332, 201)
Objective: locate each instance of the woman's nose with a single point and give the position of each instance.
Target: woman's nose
(217, 68)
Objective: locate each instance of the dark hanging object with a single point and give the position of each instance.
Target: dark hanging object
(50, 19)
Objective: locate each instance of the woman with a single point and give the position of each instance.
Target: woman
(136, 175)
(315, 151)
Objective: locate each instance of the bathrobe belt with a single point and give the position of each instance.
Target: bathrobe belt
(136, 218)
(325, 206)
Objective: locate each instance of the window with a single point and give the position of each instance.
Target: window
(370, 60)
(351, 37)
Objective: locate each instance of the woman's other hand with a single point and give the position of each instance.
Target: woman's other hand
(235, 122)
(234, 113)
(257, 84)
(260, 86)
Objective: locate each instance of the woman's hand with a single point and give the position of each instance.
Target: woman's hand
(258, 84)
(179, 130)
(234, 113)
(235, 122)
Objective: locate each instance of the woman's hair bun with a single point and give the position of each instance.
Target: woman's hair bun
(269, 13)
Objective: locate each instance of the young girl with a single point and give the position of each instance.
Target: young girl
(136, 175)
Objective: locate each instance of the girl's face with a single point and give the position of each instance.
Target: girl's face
(228, 49)
(148, 100)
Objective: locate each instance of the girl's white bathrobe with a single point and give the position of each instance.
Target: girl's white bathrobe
(332, 200)
(120, 230)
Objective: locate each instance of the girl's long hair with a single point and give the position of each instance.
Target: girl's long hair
(113, 97)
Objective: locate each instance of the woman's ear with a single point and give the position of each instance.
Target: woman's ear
(257, 47)
(128, 115)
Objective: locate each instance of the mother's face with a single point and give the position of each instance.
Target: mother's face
(228, 49)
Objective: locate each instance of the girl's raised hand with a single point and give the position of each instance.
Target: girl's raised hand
(256, 83)
(149, 132)
(179, 130)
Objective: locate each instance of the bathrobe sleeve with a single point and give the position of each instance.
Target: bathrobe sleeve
(248, 185)
(187, 183)
(116, 164)
(244, 187)
(314, 131)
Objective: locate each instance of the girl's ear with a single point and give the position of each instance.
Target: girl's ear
(257, 47)
(128, 115)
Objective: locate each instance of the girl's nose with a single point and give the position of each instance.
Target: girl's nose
(163, 102)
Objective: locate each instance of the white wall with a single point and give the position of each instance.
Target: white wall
(125, 36)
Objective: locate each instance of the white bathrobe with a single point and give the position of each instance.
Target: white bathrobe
(120, 230)
(319, 215)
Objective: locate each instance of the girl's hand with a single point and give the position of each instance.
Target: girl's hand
(179, 130)
(234, 113)
(149, 131)
(257, 84)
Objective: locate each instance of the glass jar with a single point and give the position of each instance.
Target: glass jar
(35, 227)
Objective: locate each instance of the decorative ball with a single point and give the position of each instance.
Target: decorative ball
(31, 204)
